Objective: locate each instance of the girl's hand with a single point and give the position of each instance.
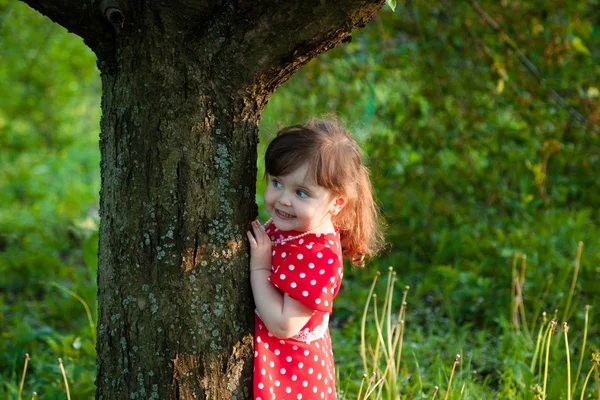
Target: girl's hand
(260, 248)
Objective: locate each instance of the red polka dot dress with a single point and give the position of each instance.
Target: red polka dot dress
(309, 269)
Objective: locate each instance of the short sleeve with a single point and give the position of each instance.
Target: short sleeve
(310, 274)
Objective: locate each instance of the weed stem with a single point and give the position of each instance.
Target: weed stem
(456, 361)
(23, 377)
(551, 328)
(62, 368)
(565, 328)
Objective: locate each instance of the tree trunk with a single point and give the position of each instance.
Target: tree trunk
(178, 182)
(183, 88)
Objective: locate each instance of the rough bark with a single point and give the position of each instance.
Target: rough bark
(184, 85)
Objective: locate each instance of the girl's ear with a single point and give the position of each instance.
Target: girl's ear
(338, 203)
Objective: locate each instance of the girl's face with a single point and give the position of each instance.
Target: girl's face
(295, 203)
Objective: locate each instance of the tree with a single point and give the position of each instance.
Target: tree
(184, 84)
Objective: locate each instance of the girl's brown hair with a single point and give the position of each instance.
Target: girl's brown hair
(334, 161)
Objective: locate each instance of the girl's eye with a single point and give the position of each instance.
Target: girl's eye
(302, 193)
(276, 183)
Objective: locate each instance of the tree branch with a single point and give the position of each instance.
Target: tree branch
(274, 39)
(82, 18)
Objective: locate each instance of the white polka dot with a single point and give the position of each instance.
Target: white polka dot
(261, 385)
(262, 371)
(258, 339)
(294, 377)
(310, 371)
(305, 293)
(299, 396)
(306, 352)
(295, 347)
(288, 359)
(340, 271)
(326, 303)
(271, 364)
(311, 265)
(320, 255)
(300, 365)
(316, 358)
(322, 271)
(330, 261)
(282, 370)
(313, 282)
(282, 277)
(330, 241)
(277, 383)
(322, 395)
(283, 254)
(269, 334)
(264, 358)
(256, 354)
(301, 241)
(288, 389)
(300, 256)
(291, 267)
(293, 284)
(305, 383)
(282, 341)
(332, 279)
(328, 389)
(266, 345)
(302, 275)
(314, 389)
(319, 376)
(277, 352)
(318, 301)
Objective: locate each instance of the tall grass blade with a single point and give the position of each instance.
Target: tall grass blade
(538, 344)
(585, 331)
(83, 303)
(574, 282)
(585, 382)
(363, 350)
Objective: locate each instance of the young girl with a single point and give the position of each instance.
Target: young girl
(322, 209)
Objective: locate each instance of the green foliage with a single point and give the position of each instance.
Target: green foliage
(472, 159)
(49, 182)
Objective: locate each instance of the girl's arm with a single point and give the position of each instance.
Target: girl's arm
(283, 316)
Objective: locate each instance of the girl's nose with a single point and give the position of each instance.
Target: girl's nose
(284, 199)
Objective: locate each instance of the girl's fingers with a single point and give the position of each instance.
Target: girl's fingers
(251, 239)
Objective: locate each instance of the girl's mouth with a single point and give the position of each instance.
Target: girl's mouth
(284, 215)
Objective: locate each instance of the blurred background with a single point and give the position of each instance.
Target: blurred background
(483, 146)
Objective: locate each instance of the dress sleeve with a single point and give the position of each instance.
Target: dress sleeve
(311, 276)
